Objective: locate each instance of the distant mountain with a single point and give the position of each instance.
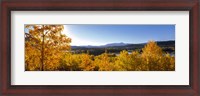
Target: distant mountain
(167, 46)
(115, 44)
(170, 43)
(86, 46)
(102, 46)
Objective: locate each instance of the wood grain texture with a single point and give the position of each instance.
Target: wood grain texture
(98, 5)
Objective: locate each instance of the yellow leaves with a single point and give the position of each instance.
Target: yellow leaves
(126, 61)
(78, 62)
(32, 57)
(104, 62)
(155, 59)
(46, 47)
(45, 39)
(152, 49)
(86, 63)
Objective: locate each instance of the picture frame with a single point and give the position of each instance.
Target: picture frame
(99, 5)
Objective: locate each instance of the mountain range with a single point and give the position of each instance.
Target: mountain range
(170, 43)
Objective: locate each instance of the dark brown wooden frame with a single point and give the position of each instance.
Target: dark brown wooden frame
(99, 5)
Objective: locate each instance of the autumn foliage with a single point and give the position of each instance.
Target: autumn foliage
(44, 46)
(47, 49)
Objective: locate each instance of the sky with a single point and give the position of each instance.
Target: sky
(83, 35)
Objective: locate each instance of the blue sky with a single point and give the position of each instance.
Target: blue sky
(104, 34)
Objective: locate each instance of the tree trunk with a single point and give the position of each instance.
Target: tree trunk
(42, 54)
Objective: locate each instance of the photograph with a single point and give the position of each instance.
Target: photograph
(99, 47)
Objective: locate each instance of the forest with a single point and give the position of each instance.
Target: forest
(47, 49)
(116, 48)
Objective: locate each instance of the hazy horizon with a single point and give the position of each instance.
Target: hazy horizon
(121, 42)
